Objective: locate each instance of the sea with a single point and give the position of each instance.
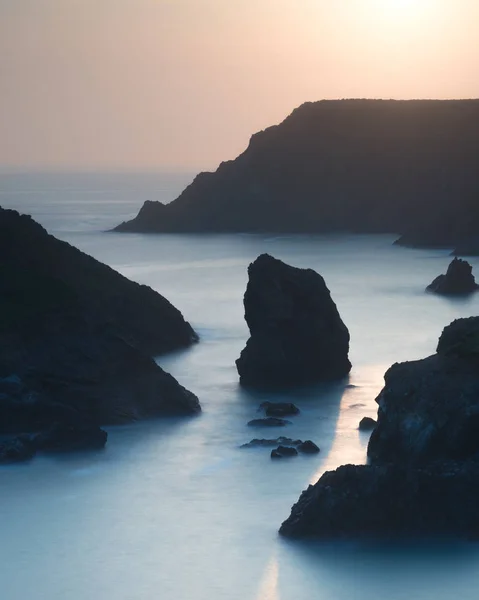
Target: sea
(174, 509)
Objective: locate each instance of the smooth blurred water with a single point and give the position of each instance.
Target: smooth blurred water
(173, 509)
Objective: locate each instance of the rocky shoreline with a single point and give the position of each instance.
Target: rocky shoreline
(76, 342)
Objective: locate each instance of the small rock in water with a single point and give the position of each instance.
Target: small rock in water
(308, 447)
(367, 424)
(281, 441)
(457, 280)
(283, 451)
(269, 422)
(279, 409)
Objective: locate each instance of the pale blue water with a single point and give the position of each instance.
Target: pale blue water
(173, 510)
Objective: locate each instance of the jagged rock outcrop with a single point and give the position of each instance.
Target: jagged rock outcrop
(392, 501)
(265, 443)
(76, 338)
(429, 408)
(423, 476)
(457, 280)
(407, 167)
(297, 335)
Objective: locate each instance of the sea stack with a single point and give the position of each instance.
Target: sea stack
(297, 335)
(457, 280)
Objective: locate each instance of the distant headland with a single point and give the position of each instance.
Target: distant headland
(366, 166)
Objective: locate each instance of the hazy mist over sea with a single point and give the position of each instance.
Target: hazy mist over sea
(174, 509)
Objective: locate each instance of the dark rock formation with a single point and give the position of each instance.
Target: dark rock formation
(429, 408)
(279, 409)
(70, 438)
(75, 338)
(389, 501)
(279, 441)
(408, 167)
(457, 280)
(269, 422)
(283, 452)
(367, 424)
(17, 449)
(308, 447)
(424, 473)
(297, 335)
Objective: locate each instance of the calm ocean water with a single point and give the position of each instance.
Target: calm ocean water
(174, 510)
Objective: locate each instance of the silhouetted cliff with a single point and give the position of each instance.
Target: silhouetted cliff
(76, 337)
(407, 167)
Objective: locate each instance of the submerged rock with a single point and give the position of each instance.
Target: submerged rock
(283, 452)
(389, 501)
(279, 441)
(269, 422)
(367, 424)
(297, 335)
(308, 447)
(279, 409)
(457, 280)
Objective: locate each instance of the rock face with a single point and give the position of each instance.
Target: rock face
(429, 409)
(457, 280)
(320, 171)
(389, 502)
(424, 453)
(76, 338)
(297, 335)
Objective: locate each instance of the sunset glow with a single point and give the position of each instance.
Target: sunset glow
(150, 83)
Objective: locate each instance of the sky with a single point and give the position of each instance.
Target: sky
(182, 84)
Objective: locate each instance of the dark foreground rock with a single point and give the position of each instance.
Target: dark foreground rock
(269, 422)
(76, 338)
(297, 335)
(457, 280)
(389, 502)
(429, 408)
(284, 452)
(367, 424)
(423, 478)
(279, 409)
(320, 170)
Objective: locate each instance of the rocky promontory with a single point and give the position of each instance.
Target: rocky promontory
(76, 340)
(458, 280)
(423, 476)
(389, 166)
(296, 333)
